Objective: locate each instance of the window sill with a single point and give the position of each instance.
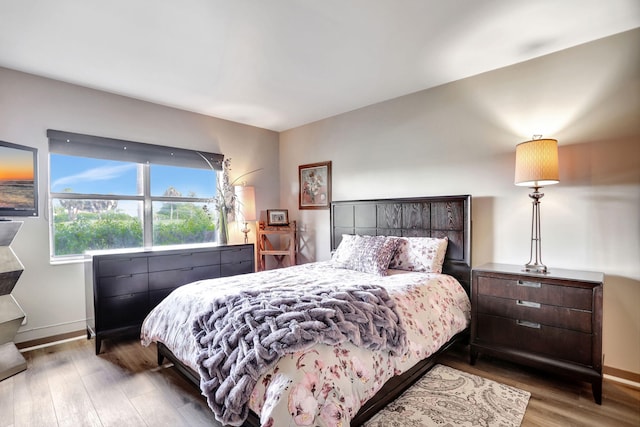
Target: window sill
(70, 260)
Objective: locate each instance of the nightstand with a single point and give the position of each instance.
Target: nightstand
(549, 321)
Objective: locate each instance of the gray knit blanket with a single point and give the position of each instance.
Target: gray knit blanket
(242, 336)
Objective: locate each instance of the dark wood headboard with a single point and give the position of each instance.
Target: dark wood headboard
(420, 216)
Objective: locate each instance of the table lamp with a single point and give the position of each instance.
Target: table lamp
(536, 166)
(246, 201)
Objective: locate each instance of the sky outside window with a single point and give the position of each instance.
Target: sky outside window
(98, 176)
(188, 182)
(93, 176)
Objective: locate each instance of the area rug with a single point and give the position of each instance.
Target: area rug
(449, 397)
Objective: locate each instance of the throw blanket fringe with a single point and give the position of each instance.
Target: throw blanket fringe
(244, 335)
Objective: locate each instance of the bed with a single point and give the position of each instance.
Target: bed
(333, 380)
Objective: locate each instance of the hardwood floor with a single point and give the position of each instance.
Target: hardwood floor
(68, 385)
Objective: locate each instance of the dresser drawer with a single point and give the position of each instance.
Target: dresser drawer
(121, 285)
(123, 310)
(541, 339)
(175, 278)
(121, 266)
(550, 315)
(537, 291)
(183, 260)
(236, 255)
(235, 268)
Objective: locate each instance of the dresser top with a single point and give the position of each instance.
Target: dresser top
(555, 273)
(164, 249)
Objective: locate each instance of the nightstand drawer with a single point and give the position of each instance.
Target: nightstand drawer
(537, 291)
(550, 315)
(534, 337)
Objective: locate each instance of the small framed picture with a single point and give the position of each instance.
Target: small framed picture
(315, 185)
(277, 217)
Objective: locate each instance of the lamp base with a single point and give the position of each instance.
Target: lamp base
(535, 268)
(535, 264)
(246, 231)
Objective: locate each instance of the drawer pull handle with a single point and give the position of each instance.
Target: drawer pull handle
(187, 254)
(529, 284)
(124, 276)
(528, 324)
(187, 269)
(528, 304)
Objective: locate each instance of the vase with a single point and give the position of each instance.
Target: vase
(223, 228)
(223, 236)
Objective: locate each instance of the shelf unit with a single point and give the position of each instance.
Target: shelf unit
(286, 247)
(11, 315)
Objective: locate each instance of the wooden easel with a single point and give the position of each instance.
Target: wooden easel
(284, 252)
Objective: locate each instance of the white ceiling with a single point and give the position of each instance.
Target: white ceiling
(278, 64)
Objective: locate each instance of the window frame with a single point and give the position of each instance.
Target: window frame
(144, 155)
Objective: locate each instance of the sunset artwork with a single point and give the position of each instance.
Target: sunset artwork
(16, 178)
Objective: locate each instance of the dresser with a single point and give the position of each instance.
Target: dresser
(549, 321)
(121, 288)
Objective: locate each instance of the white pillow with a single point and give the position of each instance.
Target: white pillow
(420, 254)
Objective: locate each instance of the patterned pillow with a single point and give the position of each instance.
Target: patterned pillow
(420, 254)
(367, 254)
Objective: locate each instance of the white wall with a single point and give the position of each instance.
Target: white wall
(460, 138)
(53, 295)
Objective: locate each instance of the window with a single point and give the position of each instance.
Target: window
(114, 194)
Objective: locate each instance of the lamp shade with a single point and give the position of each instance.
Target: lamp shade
(537, 163)
(246, 202)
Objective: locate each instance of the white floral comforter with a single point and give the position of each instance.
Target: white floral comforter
(325, 385)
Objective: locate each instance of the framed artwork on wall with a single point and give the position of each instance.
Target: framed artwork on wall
(315, 185)
(277, 217)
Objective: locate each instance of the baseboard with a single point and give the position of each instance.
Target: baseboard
(53, 339)
(628, 378)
